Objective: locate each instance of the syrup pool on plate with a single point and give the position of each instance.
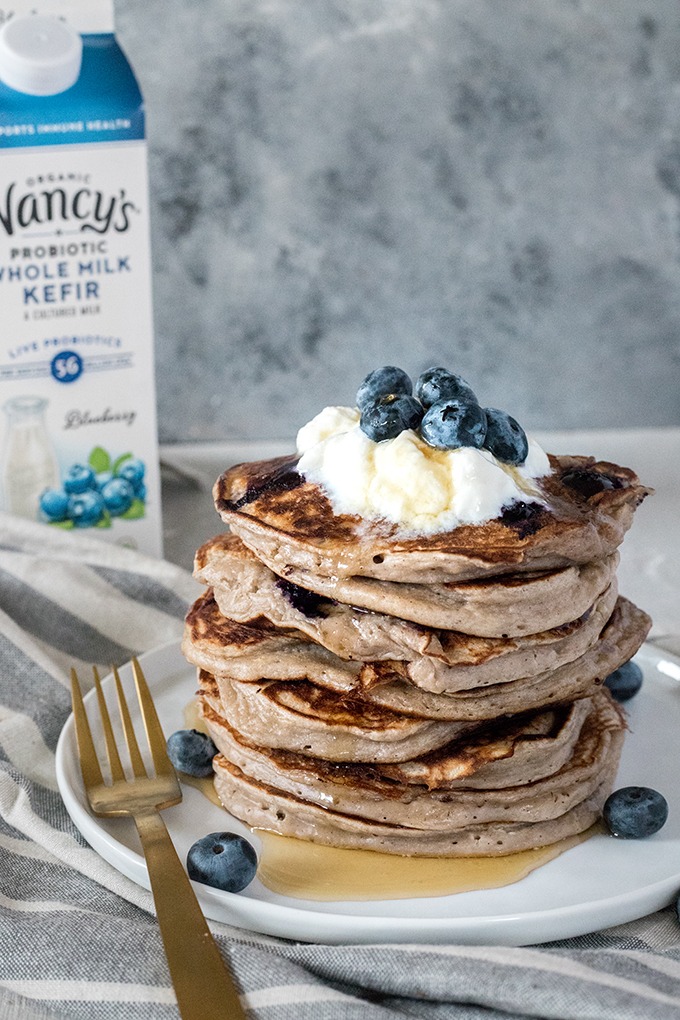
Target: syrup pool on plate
(311, 871)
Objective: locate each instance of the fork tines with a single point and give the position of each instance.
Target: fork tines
(92, 773)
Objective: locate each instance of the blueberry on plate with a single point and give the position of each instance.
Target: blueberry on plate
(625, 681)
(191, 752)
(223, 860)
(634, 812)
(380, 383)
(505, 438)
(388, 416)
(450, 424)
(435, 384)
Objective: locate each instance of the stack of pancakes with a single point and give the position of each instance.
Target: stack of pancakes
(422, 695)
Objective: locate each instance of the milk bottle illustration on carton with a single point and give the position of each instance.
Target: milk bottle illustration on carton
(78, 435)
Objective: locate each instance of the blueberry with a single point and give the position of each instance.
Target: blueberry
(382, 382)
(388, 416)
(140, 491)
(132, 471)
(222, 860)
(79, 478)
(625, 681)
(449, 424)
(191, 752)
(118, 495)
(505, 438)
(634, 812)
(54, 504)
(437, 384)
(85, 508)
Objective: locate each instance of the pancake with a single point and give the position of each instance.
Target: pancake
(505, 606)
(517, 751)
(261, 806)
(619, 641)
(371, 793)
(258, 649)
(499, 753)
(250, 590)
(359, 809)
(585, 510)
(301, 717)
(444, 662)
(267, 703)
(466, 662)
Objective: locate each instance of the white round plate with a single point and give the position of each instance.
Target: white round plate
(601, 882)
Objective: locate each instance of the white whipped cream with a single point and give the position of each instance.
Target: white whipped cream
(411, 484)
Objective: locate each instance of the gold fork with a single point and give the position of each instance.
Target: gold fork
(203, 985)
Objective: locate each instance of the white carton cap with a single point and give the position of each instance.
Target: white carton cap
(39, 55)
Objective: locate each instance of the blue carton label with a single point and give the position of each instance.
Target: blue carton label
(105, 104)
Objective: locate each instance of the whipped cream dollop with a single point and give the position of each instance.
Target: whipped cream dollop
(404, 480)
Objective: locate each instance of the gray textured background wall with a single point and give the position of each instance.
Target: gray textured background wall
(493, 185)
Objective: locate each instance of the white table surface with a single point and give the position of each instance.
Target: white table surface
(649, 573)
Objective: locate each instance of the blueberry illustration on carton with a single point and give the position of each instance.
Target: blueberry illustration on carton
(92, 494)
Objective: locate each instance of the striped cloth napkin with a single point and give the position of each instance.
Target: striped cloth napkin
(79, 940)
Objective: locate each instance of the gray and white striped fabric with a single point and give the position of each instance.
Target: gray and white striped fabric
(79, 940)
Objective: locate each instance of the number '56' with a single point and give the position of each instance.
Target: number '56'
(67, 366)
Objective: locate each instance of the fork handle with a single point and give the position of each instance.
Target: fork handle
(202, 983)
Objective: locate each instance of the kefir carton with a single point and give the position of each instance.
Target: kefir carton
(78, 436)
